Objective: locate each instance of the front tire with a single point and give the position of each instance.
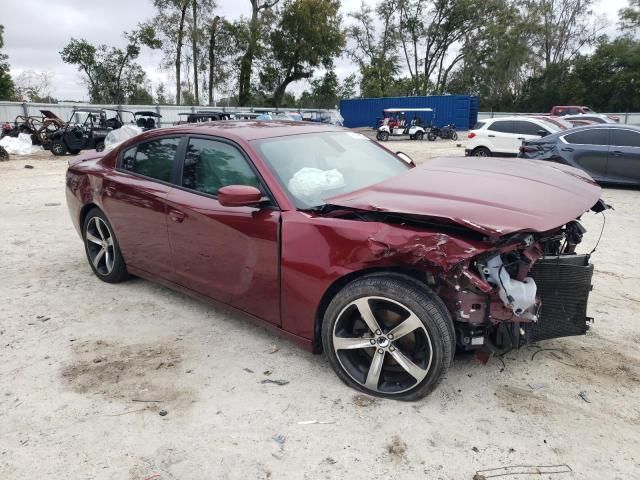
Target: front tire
(454, 135)
(431, 137)
(101, 247)
(419, 135)
(382, 136)
(389, 336)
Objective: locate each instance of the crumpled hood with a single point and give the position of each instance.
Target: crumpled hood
(494, 196)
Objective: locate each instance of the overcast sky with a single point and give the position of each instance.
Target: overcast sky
(35, 33)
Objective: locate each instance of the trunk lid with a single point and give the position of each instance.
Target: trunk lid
(493, 196)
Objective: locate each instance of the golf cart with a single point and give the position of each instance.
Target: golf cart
(78, 134)
(147, 120)
(203, 116)
(403, 121)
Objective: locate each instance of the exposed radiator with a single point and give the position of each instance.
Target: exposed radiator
(564, 284)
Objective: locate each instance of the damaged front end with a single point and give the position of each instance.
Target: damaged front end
(533, 287)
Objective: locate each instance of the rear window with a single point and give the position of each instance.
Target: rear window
(593, 119)
(153, 159)
(504, 126)
(625, 138)
(478, 125)
(596, 136)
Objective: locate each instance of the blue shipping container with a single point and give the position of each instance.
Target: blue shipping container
(462, 110)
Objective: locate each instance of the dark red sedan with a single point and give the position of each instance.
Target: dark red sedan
(334, 241)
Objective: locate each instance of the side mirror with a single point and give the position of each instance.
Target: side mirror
(543, 133)
(406, 158)
(239, 196)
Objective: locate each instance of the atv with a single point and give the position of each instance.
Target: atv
(75, 136)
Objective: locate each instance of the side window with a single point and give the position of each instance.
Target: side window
(152, 159)
(526, 128)
(503, 126)
(596, 136)
(210, 165)
(625, 138)
(574, 111)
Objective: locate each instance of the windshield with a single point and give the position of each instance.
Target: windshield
(314, 166)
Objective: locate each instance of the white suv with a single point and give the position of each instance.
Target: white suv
(502, 136)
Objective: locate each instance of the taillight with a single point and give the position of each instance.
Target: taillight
(471, 135)
(528, 149)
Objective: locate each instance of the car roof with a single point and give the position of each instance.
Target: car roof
(253, 129)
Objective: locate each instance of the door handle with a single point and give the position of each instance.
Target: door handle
(567, 149)
(491, 136)
(521, 138)
(617, 153)
(176, 215)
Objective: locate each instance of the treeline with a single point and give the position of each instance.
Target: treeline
(515, 55)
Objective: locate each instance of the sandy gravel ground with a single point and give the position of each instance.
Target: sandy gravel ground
(87, 369)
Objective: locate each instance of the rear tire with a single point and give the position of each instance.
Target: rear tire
(101, 247)
(58, 148)
(481, 152)
(369, 356)
(419, 135)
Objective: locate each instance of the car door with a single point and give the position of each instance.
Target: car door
(134, 198)
(624, 155)
(586, 149)
(501, 138)
(230, 254)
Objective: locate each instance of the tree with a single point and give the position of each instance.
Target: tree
(375, 54)
(110, 73)
(566, 26)
(307, 35)
(7, 89)
(170, 23)
(630, 16)
(254, 27)
(35, 86)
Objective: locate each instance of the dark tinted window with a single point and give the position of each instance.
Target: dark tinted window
(595, 136)
(625, 138)
(478, 125)
(152, 159)
(210, 165)
(502, 126)
(527, 128)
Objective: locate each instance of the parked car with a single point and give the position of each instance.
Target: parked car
(580, 122)
(573, 110)
(609, 153)
(562, 110)
(594, 117)
(85, 129)
(330, 239)
(503, 136)
(559, 122)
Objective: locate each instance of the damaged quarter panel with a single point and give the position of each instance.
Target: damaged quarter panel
(317, 251)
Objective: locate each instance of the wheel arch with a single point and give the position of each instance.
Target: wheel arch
(408, 274)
